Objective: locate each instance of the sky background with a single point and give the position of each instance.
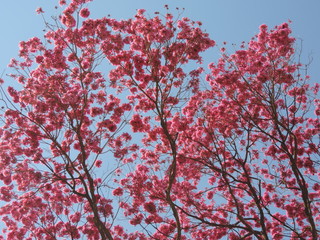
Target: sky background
(232, 21)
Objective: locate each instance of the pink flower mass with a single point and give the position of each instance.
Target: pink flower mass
(159, 146)
(84, 12)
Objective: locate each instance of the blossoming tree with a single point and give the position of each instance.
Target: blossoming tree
(154, 146)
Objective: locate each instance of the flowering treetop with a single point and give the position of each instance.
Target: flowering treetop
(154, 145)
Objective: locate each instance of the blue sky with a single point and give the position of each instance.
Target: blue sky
(225, 20)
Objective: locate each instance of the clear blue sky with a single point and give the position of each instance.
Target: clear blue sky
(225, 20)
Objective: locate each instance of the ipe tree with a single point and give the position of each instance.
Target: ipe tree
(117, 131)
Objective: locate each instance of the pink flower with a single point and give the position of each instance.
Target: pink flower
(68, 20)
(117, 192)
(72, 57)
(137, 219)
(150, 207)
(39, 10)
(136, 123)
(141, 11)
(84, 12)
(98, 163)
(39, 59)
(95, 111)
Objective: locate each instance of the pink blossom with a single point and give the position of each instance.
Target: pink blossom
(84, 12)
(150, 207)
(117, 192)
(39, 10)
(98, 163)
